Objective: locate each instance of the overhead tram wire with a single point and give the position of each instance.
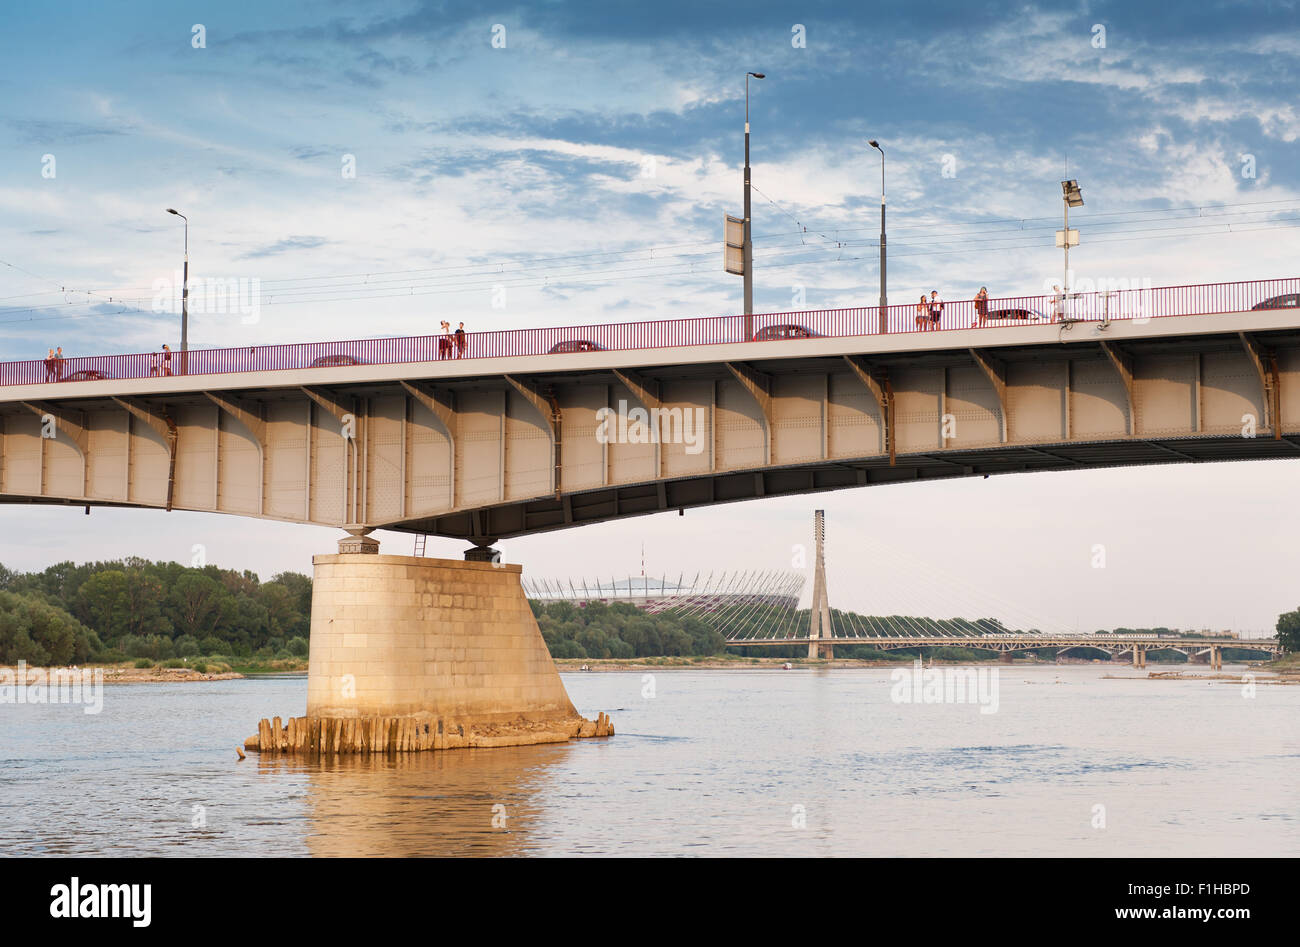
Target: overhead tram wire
(686, 264)
(1207, 227)
(497, 267)
(1050, 224)
(675, 269)
(796, 220)
(368, 278)
(484, 279)
(403, 292)
(685, 272)
(62, 290)
(498, 274)
(684, 267)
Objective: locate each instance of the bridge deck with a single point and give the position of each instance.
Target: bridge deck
(871, 331)
(505, 443)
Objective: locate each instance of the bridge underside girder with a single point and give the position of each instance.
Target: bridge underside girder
(636, 499)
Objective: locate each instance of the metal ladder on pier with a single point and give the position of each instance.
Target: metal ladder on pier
(419, 544)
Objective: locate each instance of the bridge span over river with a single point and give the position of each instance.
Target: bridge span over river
(522, 431)
(508, 433)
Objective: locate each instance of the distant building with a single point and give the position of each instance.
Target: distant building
(716, 600)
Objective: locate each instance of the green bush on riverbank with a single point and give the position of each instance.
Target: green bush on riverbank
(621, 631)
(136, 610)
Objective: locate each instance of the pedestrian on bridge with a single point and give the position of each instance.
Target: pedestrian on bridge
(461, 341)
(982, 306)
(923, 313)
(936, 308)
(49, 366)
(1058, 303)
(444, 341)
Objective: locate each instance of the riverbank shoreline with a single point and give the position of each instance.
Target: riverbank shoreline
(129, 674)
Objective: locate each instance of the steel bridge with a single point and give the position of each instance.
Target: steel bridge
(1011, 642)
(519, 432)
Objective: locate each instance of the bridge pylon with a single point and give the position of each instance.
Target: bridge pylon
(415, 653)
(819, 627)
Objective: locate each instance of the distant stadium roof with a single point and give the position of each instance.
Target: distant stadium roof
(719, 601)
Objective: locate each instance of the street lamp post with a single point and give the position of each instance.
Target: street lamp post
(884, 303)
(748, 240)
(1071, 196)
(185, 296)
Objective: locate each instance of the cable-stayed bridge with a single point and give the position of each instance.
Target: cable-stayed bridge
(752, 608)
(823, 628)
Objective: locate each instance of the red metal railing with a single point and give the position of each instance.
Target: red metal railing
(1000, 312)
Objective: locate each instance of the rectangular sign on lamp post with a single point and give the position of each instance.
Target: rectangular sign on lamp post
(733, 251)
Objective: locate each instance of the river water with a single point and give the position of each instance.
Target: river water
(761, 762)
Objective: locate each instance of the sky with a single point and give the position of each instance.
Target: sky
(377, 168)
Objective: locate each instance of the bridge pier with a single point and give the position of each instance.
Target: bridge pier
(822, 650)
(415, 653)
(1139, 656)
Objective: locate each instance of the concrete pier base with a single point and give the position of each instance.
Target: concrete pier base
(821, 650)
(415, 653)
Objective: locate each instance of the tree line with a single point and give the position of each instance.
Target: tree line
(621, 630)
(105, 612)
(134, 609)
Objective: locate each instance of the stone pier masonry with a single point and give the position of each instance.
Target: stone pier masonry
(409, 653)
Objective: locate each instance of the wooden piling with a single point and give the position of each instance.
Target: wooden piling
(318, 736)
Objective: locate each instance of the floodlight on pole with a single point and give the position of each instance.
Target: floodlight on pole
(884, 303)
(185, 294)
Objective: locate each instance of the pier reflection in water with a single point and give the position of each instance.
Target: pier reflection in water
(462, 803)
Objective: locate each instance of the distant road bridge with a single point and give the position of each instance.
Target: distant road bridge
(1008, 643)
(520, 432)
